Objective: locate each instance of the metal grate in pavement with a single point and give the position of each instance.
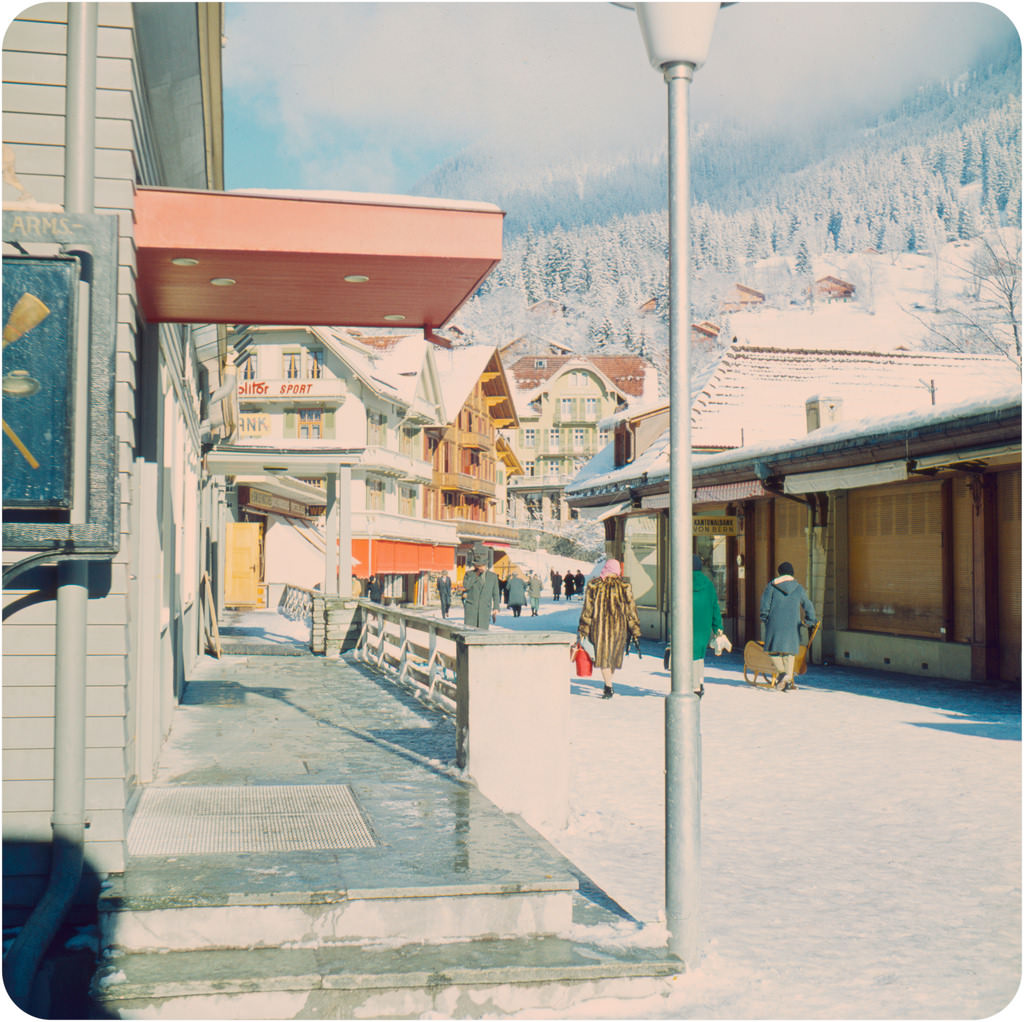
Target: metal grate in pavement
(268, 818)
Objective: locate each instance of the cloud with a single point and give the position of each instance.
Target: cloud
(387, 87)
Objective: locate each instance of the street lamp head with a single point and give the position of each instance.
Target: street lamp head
(676, 33)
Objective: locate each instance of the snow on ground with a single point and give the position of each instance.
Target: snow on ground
(861, 838)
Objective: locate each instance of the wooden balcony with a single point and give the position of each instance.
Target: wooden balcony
(464, 483)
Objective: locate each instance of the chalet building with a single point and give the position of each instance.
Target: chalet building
(563, 402)
(301, 390)
(901, 517)
(175, 263)
(471, 462)
(832, 289)
(704, 333)
(741, 299)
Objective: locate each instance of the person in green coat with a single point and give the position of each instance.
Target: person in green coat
(707, 620)
(482, 598)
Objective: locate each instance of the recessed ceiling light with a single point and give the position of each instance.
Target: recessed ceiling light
(223, 281)
(395, 317)
(356, 278)
(184, 261)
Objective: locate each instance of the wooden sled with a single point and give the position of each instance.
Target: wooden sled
(758, 662)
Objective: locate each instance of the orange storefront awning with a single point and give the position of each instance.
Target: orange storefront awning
(398, 557)
(341, 259)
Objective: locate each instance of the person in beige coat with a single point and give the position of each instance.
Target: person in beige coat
(608, 619)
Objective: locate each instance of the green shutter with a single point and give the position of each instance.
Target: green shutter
(291, 424)
(328, 421)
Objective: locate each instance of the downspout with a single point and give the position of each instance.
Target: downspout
(27, 951)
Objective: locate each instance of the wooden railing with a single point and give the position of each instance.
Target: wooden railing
(416, 649)
(296, 603)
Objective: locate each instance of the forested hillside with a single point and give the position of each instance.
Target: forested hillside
(769, 211)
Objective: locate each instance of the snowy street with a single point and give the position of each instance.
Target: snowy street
(861, 837)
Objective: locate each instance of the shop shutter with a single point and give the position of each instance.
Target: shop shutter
(1008, 512)
(291, 425)
(791, 538)
(963, 561)
(895, 558)
(328, 423)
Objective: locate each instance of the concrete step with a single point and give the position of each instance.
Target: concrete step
(267, 919)
(467, 979)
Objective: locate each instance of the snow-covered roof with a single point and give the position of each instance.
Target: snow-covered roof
(652, 466)
(458, 370)
(760, 393)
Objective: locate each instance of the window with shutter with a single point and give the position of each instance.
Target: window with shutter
(895, 558)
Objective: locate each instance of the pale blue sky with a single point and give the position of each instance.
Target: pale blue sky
(372, 96)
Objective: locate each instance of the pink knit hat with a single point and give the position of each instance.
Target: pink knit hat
(611, 567)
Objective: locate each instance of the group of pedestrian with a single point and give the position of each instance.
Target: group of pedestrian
(609, 618)
(573, 582)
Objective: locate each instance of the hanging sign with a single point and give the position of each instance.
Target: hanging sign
(715, 526)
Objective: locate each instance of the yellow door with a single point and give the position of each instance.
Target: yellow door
(244, 542)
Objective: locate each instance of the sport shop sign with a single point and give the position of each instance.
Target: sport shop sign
(276, 390)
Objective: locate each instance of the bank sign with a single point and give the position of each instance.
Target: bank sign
(38, 369)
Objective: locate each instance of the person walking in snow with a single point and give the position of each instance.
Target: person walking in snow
(570, 584)
(783, 604)
(707, 620)
(556, 584)
(534, 588)
(580, 583)
(608, 619)
(482, 600)
(516, 593)
(444, 592)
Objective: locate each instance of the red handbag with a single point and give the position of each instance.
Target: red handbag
(584, 665)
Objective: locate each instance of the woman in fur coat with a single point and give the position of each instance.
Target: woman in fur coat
(608, 619)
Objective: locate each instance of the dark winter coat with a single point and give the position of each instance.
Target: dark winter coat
(707, 615)
(783, 602)
(556, 583)
(444, 591)
(608, 619)
(570, 584)
(516, 591)
(482, 597)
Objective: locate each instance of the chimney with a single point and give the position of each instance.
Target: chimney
(823, 411)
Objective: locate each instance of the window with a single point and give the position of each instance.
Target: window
(292, 365)
(407, 501)
(315, 364)
(578, 381)
(408, 442)
(554, 439)
(529, 438)
(540, 363)
(602, 436)
(310, 423)
(566, 408)
(376, 429)
(529, 467)
(374, 495)
(579, 439)
(248, 368)
(591, 408)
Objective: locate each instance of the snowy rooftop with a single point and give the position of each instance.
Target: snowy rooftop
(600, 472)
(760, 393)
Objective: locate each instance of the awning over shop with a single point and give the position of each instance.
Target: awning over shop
(398, 557)
(334, 259)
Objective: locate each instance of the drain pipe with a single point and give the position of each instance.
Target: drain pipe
(26, 953)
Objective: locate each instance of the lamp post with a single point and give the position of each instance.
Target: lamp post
(677, 37)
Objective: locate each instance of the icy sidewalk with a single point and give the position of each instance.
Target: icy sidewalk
(861, 838)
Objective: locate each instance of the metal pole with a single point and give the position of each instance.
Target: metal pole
(26, 952)
(682, 706)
